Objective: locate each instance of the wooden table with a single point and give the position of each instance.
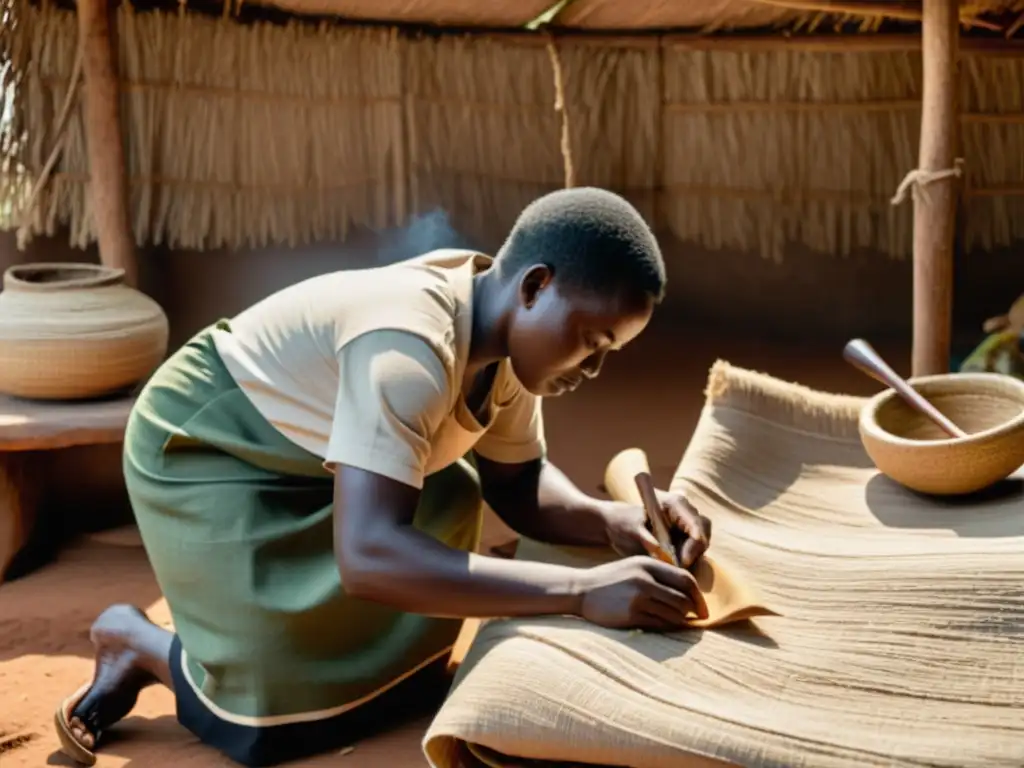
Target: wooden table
(27, 427)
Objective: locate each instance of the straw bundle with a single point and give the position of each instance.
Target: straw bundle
(12, 58)
(245, 135)
(992, 98)
(231, 141)
(485, 137)
(770, 148)
(729, 149)
(483, 134)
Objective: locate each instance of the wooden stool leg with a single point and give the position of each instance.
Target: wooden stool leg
(17, 506)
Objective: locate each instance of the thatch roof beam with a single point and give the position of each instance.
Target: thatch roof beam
(869, 8)
(108, 188)
(707, 16)
(935, 193)
(1015, 27)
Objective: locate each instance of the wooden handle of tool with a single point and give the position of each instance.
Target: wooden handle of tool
(862, 355)
(660, 526)
(624, 476)
(620, 475)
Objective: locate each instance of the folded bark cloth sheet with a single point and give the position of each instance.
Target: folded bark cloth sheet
(899, 639)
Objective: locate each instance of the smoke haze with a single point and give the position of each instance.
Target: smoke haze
(426, 232)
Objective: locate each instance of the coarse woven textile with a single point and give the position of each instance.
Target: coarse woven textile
(898, 641)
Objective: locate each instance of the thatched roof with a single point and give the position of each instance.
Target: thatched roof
(636, 14)
(232, 140)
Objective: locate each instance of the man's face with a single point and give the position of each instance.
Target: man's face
(558, 337)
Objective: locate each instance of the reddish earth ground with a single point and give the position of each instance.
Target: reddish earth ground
(649, 397)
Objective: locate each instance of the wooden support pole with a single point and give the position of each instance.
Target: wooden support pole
(108, 194)
(935, 200)
(19, 485)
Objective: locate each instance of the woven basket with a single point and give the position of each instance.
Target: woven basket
(76, 331)
(911, 450)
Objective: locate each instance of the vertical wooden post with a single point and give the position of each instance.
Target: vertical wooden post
(400, 166)
(935, 203)
(108, 194)
(19, 485)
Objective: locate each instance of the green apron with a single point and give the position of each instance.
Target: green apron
(237, 523)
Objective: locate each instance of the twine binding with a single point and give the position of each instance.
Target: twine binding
(917, 181)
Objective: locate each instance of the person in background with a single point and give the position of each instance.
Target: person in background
(307, 479)
(1000, 350)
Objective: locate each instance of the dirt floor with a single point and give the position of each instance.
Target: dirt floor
(650, 397)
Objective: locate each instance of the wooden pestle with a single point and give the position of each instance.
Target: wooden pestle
(863, 356)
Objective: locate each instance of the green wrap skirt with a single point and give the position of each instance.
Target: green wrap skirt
(272, 659)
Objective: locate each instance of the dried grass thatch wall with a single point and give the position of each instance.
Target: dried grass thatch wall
(242, 135)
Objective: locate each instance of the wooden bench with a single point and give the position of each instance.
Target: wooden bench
(27, 427)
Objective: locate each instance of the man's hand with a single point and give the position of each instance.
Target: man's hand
(640, 593)
(629, 534)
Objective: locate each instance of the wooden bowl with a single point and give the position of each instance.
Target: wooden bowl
(910, 449)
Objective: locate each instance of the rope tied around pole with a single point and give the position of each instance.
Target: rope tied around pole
(917, 181)
(556, 67)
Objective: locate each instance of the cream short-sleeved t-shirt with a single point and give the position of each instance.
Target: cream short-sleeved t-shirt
(365, 368)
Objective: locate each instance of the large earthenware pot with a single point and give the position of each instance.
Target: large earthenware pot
(75, 331)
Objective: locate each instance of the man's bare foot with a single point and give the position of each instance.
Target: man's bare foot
(121, 636)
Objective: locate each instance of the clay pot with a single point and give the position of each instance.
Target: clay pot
(910, 449)
(76, 331)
